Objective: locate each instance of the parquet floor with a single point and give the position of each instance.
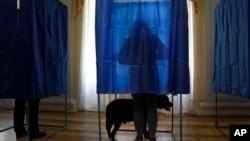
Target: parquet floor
(83, 126)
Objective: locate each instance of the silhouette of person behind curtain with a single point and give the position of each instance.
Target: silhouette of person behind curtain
(140, 52)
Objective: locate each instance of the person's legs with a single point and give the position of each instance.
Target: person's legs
(138, 101)
(33, 114)
(151, 105)
(19, 112)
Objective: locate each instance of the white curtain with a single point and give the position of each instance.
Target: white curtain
(88, 97)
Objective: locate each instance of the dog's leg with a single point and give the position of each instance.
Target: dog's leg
(116, 128)
(109, 123)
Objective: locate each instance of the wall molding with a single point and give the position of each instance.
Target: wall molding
(225, 108)
(57, 104)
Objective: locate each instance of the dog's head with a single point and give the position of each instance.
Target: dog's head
(163, 102)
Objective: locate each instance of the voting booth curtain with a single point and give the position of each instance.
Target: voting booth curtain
(231, 48)
(33, 48)
(142, 46)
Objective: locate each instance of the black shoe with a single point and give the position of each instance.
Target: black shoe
(139, 138)
(37, 134)
(20, 134)
(152, 139)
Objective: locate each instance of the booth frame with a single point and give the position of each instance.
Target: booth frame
(61, 128)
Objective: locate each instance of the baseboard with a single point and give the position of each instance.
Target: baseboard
(224, 108)
(57, 104)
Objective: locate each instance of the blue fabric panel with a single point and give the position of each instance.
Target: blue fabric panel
(248, 18)
(37, 66)
(8, 38)
(231, 51)
(133, 41)
(62, 61)
(179, 66)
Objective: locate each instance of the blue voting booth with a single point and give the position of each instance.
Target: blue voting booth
(142, 47)
(33, 51)
(231, 48)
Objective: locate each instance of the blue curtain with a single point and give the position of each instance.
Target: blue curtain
(231, 48)
(142, 46)
(33, 50)
(179, 59)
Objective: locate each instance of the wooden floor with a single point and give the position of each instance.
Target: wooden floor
(83, 126)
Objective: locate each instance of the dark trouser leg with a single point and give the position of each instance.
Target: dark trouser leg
(138, 101)
(151, 104)
(19, 112)
(33, 114)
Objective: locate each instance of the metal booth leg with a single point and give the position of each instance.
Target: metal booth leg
(99, 117)
(181, 117)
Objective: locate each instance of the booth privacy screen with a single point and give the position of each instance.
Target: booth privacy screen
(231, 48)
(33, 48)
(142, 46)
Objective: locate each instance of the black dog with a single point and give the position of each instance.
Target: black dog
(121, 111)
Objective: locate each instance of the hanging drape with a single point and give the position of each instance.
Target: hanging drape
(231, 49)
(33, 49)
(179, 59)
(142, 46)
